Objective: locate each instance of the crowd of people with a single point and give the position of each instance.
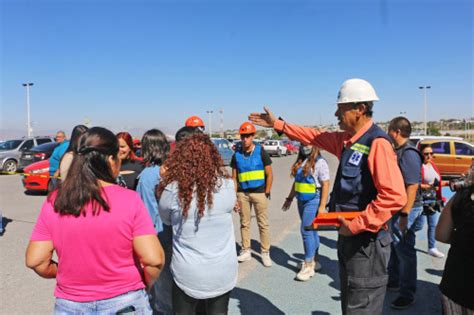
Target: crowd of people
(138, 233)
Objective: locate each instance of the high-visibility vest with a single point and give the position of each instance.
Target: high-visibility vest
(250, 169)
(305, 186)
(354, 187)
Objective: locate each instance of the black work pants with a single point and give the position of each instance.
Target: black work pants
(183, 304)
(363, 262)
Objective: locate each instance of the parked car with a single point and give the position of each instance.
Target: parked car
(36, 176)
(236, 144)
(35, 154)
(10, 151)
(452, 157)
(291, 148)
(275, 147)
(225, 149)
(415, 140)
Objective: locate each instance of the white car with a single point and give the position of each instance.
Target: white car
(275, 147)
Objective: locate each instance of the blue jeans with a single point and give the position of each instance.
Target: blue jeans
(137, 299)
(308, 210)
(160, 294)
(402, 264)
(432, 222)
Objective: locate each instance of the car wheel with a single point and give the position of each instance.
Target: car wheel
(10, 166)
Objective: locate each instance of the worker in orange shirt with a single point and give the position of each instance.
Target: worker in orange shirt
(368, 180)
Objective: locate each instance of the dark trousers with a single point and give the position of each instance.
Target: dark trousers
(363, 262)
(184, 304)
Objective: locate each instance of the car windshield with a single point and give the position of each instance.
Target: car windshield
(10, 145)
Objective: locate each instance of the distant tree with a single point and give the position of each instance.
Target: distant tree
(433, 130)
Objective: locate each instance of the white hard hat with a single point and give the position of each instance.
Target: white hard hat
(356, 91)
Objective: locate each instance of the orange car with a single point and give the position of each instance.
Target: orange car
(452, 157)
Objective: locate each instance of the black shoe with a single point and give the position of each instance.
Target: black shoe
(402, 303)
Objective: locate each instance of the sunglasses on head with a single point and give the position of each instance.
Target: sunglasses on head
(428, 153)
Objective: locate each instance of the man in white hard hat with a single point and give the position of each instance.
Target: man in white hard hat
(368, 180)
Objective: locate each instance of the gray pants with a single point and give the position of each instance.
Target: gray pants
(363, 262)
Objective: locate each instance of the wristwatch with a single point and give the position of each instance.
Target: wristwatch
(403, 214)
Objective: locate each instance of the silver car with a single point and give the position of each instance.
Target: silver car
(10, 151)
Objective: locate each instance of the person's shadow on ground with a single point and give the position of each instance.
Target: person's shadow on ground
(428, 300)
(253, 303)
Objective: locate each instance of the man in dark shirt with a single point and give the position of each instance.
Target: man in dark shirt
(252, 174)
(405, 223)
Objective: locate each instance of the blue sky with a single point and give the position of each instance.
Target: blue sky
(143, 64)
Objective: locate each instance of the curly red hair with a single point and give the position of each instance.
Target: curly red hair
(197, 167)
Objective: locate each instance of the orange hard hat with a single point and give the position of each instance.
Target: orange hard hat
(247, 128)
(194, 121)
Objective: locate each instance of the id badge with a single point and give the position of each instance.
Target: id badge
(355, 158)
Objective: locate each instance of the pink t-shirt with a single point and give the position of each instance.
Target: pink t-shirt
(95, 252)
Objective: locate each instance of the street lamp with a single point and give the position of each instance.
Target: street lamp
(28, 123)
(209, 112)
(424, 88)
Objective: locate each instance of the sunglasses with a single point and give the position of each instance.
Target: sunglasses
(428, 153)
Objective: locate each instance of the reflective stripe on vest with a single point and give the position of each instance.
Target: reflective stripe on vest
(305, 188)
(252, 175)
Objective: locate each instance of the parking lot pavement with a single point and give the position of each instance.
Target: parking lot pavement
(260, 290)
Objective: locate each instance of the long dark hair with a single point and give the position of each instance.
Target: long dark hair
(155, 147)
(81, 185)
(309, 166)
(77, 132)
(196, 166)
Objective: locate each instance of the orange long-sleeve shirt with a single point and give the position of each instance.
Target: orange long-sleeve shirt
(382, 163)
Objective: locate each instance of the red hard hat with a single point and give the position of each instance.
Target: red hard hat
(194, 121)
(247, 128)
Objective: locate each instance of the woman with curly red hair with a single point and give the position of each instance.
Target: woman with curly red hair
(131, 164)
(197, 197)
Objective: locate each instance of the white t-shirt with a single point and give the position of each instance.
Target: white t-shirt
(429, 174)
(321, 171)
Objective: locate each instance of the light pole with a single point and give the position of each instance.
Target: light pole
(424, 88)
(28, 123)
(209, 112)
(221, 111)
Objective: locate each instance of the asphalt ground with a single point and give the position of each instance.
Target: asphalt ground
(260, 290)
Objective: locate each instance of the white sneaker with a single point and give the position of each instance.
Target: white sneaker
(244, 255)
(306, 272)
(435, 253)
(317, 266)
(267, 262)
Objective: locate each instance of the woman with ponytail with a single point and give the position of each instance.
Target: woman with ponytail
(311, 188)
(107, 248)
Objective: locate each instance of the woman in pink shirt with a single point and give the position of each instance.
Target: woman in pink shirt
(102, 234)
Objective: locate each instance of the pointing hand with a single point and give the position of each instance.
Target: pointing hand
(266, 119)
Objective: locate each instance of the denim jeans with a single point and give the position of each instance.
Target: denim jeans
(137, 299)
(160, 294)
(308, 210)
(402, 265)
(432, 220)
